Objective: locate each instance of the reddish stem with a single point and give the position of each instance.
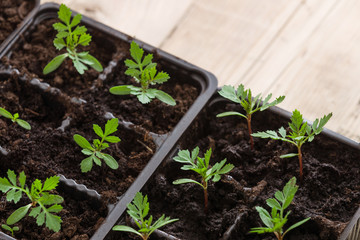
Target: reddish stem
(205, 196)
(250, 131)
(300, 163)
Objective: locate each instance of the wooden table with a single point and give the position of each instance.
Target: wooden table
(306, 50)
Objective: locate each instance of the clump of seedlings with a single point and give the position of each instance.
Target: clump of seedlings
(10, 229)
(94, 151)
(249, 104)
(276, 220)
(70, 38)
(300, 133)
(40, 197)
(138, 210)
(143, 70)
(201, 166)
(15, 118)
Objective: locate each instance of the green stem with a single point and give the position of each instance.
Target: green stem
(300, 163)
(204, 183)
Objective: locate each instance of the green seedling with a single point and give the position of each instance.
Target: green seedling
(276, 221)
(138, 210)
(15, 118)
(300, 133)
(202, 167)
(249, 104)
(143, 70)
(70, 36)
(94, 151)
(10, 229)
(40, 197)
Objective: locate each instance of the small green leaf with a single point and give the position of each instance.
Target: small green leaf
(164, 97)
(111, 126)
(23, 124)
(126, 229)
(55, 63)
(12, 177)
(64, 14)
(82, 142)
(186, 180)
(297, 224)
(93, 62)
(80, 67)
(51, 183)
(53, 222)
(76, 20)
(120, 90)
(87, 152)
(86, 164)
(5, 113)
(18, 214)
(98, 130)
(143, 98)
(289, 155)
(225, 114)
(59, 27)
(228, 92)
(271, 202)
(112, 139)
(136, 52)
(110, 161)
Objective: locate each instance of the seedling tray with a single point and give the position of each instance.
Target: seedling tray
(163, 140)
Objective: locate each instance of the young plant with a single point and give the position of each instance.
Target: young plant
(70, 39)
(138, 210)
(10, 229)
(276, 221)
(94, 151)
(300, 133)
(202, 167)
(15, 118)
(39, 196)
(249, 104)
(143, 70)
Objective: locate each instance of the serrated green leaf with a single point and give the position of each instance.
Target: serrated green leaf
(111, 126)
(40, 219)
(228, 92)
(18, 214)
(143, 98)
(136, 52)
(55, 63)
(59, 43)
(22, 179)
(62, 35)
(271, 202)
(13, 196)
(35, 211)
(12, 177)
(59, 27)
(51, 183)
(76, 20)
(80, 67)
(79, 30)
(131, 64)
(86, 164)
(55, 208)
(36, 185)
(161, 77)
(64, 14)
(82, 142)
(5, 185)
(98, 130)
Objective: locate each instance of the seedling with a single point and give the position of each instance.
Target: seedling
(144, 72)
(70, 38)
(94, 151)
(10, 229)
(138, 210)
(202, 167)
(40, 197)
(15, 118)
(300, 133)
(276, 221)
(249, 104)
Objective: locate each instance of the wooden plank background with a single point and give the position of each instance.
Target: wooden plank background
(308, 50)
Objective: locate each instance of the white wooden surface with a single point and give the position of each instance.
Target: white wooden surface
(306, 50)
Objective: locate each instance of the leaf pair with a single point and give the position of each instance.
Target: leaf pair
(138, 210)
(275, 221)
(39, 196)
(94, 150)
(201, 166)
(70, 38)
(143, 70)
(15, 118)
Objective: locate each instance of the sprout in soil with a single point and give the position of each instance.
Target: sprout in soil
(40, 197)
(276, 221)
(300, 132)
(144, 72)
(15, 118)
(94, 150)
(202, 167)
(70, 38)
(10, 229)
(138, 210)
(249, 104)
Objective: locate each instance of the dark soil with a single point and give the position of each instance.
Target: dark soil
(12, 13)
(329, 194)
(156, 116)
(81, 216)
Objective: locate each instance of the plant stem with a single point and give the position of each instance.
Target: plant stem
(300, 163)
(204, 183)
(248, 118)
